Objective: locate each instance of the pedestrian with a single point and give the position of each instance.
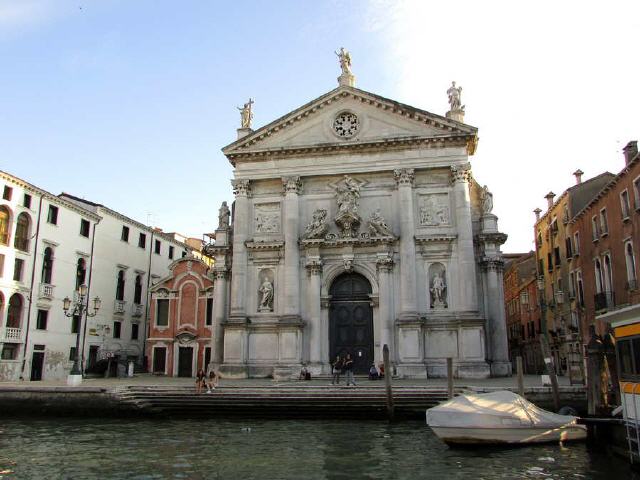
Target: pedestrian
(381, 370)
(348, 368)
(212, 381)
(200, 380)
(373, 372)
(336, 369)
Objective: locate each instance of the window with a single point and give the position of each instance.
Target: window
(14, 312)
(556, 254)
(134, 331)
(21, 241)
(26, 201)
(604, 226)
(549, 262)
(162, 312)
(579, 288)
(120, 285)
(576, 244)
(47, 265)
(72, 354)
(608, 274)
(142, 240)
(85, 225)
(568, 247)
(572, 285)
(554, 226)
(595, 228)
(636, 193)
(52, 216)
(598, 272)
(170, 253)
(539, 240)
(207, 356)
(5, 218)
(75, 324)
(10, 351)
(624, 204)
(157, 247)
(125, 234)
(18, 266)
(41, 321)
(630, 261)
(1, 265)
(117, 329)
(137, 290)
(209, 320)
(81, 272)
(541, 266)
(8, 192)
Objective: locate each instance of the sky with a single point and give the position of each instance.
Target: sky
(129, 102)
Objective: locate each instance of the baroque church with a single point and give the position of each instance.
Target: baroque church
(356, 224)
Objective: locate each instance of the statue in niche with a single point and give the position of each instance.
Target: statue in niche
(487, 200)
(246, 114)
(317, 228)
(348, 196)
(438, 286)
(345, 61)
(223, 216)
(266, 295)
(455, 97)
(377, 226)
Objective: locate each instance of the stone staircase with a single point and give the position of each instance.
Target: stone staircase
(283, 400)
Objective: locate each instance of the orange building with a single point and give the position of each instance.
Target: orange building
(181, 320)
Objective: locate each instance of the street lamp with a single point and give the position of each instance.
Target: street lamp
(78, 307)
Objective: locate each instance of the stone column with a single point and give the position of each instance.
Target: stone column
(496, 322)
(220, 276)
(292, 187)
(466, 292)
(241, 227)
(408, 307)
(314, 325)
(384, 264)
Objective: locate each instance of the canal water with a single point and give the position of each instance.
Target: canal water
(273, 449)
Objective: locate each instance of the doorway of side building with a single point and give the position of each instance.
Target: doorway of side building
(351, 320)
(37, 362)
(185, 361)
(160, 360)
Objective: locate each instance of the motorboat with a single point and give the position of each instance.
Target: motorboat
(500, 417)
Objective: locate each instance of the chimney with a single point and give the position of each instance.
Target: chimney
(537, 211)
(578, 174)
(630, 151)
(549, 196)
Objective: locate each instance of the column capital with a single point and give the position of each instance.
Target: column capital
(292, 185)
(461, 173)
(404, 176)
(492, 264)
(384, 264)
(241, 188)
(314, 267)
(220, 273)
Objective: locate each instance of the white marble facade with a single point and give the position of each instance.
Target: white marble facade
(353, 183)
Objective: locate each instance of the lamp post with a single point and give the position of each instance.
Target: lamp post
(78, 307)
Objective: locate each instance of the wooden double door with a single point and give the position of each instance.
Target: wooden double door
(351, 320)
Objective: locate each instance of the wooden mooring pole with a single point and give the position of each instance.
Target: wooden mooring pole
(387, 381)
(449, 378)
(551, 370)
(520, 374)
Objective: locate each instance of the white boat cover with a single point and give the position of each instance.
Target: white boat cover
(494, 410)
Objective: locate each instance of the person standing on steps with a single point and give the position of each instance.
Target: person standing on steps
(200, 380)
(336, 370)
(348, 368)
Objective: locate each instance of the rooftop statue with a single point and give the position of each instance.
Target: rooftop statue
(455, 97)
(487, 200)
(223, 216)
(246, 115)
(345, 61)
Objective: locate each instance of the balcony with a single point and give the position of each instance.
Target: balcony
(46, 291)
(137, 309)
(119, 306)
(11, 334)
(604, 300)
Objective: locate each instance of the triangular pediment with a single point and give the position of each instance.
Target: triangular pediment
(316, 125)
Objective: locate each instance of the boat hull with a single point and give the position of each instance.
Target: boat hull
(509, 436)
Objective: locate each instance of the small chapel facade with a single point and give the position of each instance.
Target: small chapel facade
(357, 224)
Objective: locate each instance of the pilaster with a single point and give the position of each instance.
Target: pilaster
(384, 266)
(292, 187)
(404, 178)
(241, 219)
(314, 325)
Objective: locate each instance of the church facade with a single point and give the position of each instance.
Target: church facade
(357, 224)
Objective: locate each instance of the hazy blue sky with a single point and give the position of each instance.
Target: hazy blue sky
(128, 102)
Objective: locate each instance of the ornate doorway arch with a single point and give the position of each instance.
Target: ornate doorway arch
(351, 320)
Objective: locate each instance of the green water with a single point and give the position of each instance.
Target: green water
(273, 449)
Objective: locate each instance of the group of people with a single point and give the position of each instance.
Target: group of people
(210, 382)
(376, 373)
(340, 366)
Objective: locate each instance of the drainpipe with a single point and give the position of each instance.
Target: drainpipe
(33, 278)
(86, 318)
(146, 308)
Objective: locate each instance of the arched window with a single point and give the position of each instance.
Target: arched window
(598, 272)
(631, 262)
(608, 277)
(14, 313)
(81, 272)
(47, 265)
(137, 291)
(5, 221)
(21, 242)
(120, 286)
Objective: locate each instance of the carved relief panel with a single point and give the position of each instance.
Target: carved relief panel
(434, 210)
(266, 218)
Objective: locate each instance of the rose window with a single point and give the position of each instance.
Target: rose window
(346, 125)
